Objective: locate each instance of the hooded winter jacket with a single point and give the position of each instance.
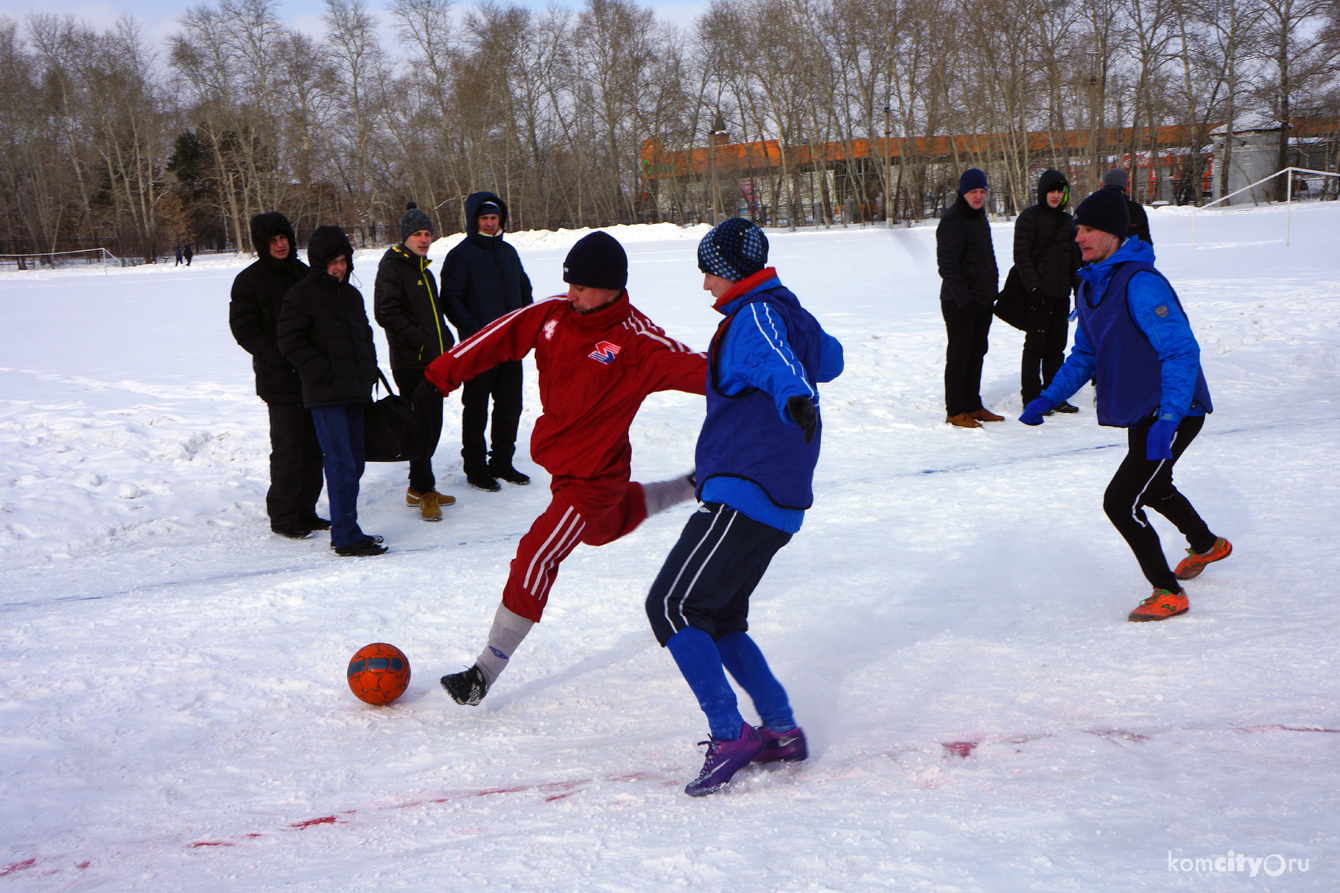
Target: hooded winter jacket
(482, 277)
(324, 330)
(253, 313)
(1045, 250)
(965, 256)
(408, 306)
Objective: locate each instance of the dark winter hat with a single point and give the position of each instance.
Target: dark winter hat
(326, 244)
(734, 249)
(1105, 210)
(265, 227)
(488, 207)
(1118, 178)
(413, 221)
(971, 179)
(596, 261)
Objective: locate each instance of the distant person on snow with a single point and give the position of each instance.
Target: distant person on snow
(1133, 338)
(324, 332)
(178, 263)
(1117, 178)
(253, 315)
(407, 305)
(598, 359)
(967, 265)
(755, 466)
(482, 279)
(188, 252)
(1047, 258)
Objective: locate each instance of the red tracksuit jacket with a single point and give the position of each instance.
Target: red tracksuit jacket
(595, 371)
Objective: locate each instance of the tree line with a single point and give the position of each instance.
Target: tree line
(107, 140)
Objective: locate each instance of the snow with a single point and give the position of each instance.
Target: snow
(950, 623)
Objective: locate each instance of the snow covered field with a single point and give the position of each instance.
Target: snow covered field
(951, 622)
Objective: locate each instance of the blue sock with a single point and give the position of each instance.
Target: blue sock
(698, 660)
(746, 663)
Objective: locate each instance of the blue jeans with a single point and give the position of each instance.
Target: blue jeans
(339, 430)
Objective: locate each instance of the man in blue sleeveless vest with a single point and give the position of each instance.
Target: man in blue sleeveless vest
(1134, 340)
(755, 465)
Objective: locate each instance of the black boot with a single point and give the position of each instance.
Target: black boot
(467, 687)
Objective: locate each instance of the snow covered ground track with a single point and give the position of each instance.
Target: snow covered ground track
(951, 622)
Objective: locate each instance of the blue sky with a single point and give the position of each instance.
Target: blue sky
(159, 17)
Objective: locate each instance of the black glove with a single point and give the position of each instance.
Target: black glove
(425, 395)
(803, 414)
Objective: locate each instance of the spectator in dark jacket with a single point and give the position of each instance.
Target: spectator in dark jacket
(482, 280)
(1047, 258)
(1139, 225)
(188, 252)
(253, 315)
(967, 263)
(324, 333)
(407, 305)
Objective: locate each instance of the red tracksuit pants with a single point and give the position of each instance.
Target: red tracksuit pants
(583, 510)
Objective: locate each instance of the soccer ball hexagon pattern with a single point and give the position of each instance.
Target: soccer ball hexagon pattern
(378, 673)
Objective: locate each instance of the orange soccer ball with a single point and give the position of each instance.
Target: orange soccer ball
(378, 673)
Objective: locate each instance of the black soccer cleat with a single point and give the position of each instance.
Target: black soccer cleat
(510, 474)
(467, 687)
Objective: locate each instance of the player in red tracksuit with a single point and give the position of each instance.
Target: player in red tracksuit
(598, 358)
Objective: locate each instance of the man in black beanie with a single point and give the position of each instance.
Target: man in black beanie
(967, 264)
(1134, 341)
(598, 358)
(253, 314)
(406, 304)
(482, 279)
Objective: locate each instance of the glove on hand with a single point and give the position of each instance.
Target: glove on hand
(803, 414)
(425, 395)
(1035, 410)
(1159, 443)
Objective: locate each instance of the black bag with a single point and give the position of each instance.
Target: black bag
(1012, 302)
(390, 431)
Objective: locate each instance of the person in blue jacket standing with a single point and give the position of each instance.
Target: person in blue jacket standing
(1135, 342)
(755, 465)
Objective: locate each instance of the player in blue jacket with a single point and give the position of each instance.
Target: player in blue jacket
(1134, 341)
(755, 465)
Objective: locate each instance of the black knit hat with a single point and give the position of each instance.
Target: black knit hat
(1105, 210)
(413, 221)
(734, 249)
(326, 244)
(596, 261)
(971, 179)
(488, 207)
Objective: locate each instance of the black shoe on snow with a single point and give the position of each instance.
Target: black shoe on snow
(367, 546)
(482, 481)
(509, 474)
(467, 687)
(1066, 407)
(315, 522)
(292, 531)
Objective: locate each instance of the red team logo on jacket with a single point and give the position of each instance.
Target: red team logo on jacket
(605, 352)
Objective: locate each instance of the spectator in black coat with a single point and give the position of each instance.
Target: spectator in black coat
(253, 315)
(1139, 226)
(1047, 257)
(407, 305)
(324, 333)
(188, 252)
(967, 262)
(482, 280)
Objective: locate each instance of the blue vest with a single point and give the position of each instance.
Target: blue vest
(1128, 375)
(743, 436)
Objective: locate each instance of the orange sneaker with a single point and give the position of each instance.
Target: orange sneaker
(986, 415)
(1190, 567)
(1160, 606)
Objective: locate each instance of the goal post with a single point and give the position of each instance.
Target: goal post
(55, 259)
(1288, 200)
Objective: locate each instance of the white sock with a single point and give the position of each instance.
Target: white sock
(661, 495)
(507, 633)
